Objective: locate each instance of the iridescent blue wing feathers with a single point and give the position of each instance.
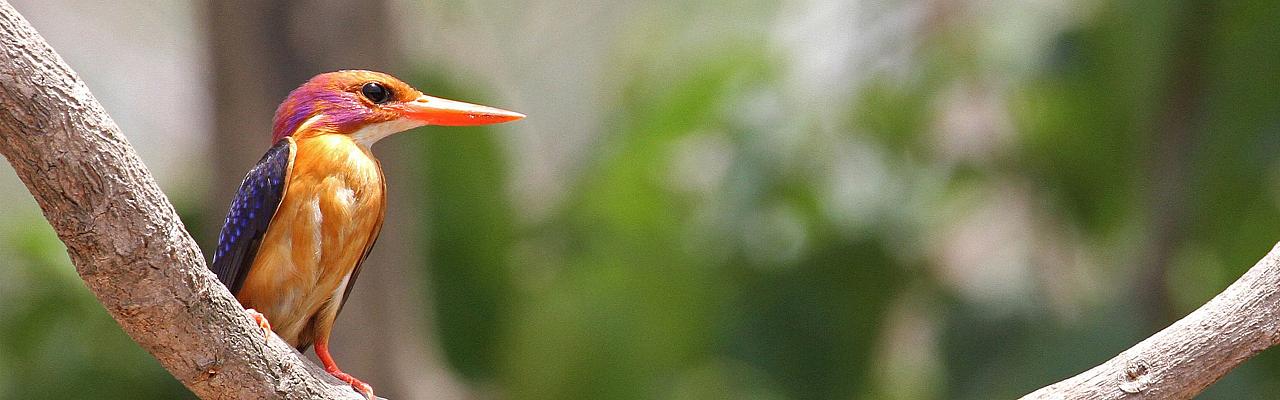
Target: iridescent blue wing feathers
(251, 212)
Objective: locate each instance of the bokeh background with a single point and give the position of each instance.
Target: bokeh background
(748, 199)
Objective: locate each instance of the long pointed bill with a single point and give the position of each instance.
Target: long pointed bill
(438, 111)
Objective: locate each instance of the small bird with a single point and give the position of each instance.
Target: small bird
(306, 216)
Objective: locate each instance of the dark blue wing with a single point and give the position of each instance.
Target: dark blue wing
(251, 212)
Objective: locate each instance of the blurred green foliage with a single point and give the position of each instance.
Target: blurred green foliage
(639, 287)
(726, 238)
(472, 231)
(56, 341)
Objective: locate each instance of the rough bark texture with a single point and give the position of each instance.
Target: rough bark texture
(1182, 360)
(133, 253)
(124, 237)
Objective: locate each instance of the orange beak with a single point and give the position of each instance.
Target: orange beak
(437, 111)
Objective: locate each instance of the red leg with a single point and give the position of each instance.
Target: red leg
(322, 351)
(261, 320)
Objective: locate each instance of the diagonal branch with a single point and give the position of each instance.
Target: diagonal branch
(1182, 360)
(124, 237)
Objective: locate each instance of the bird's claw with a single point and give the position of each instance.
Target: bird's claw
(356, 384)
(261, 320)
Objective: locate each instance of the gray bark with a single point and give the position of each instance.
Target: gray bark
(125, 239)
(132, 251)
(1182, 360)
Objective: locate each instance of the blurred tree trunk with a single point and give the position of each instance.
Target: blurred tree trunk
(1169, 174)
(262, 50)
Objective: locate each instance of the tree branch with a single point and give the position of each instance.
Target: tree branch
(132, 251)
(124, 237)
(1182, 360)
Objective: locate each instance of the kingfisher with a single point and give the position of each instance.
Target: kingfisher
(306, 216)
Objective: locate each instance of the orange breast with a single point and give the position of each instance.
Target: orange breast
(330, 214)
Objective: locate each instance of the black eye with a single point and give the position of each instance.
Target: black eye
(376, 93)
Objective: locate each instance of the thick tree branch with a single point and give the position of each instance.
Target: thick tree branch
(124, 237)
(1182, 360)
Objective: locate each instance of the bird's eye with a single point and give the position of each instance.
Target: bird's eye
(376, 93)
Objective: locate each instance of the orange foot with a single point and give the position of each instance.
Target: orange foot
(322, 352)
(356, 384)
(261, 320)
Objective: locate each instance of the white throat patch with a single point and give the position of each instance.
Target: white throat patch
(372, 133)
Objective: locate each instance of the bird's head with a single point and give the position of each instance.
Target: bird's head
(370, 106)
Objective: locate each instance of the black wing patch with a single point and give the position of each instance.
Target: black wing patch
(251, 212)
